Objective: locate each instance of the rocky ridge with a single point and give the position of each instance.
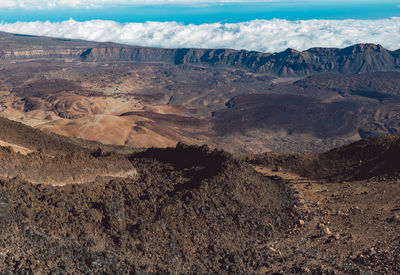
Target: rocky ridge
(359, 58)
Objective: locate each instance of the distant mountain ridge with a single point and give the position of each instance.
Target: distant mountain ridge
(359, 58)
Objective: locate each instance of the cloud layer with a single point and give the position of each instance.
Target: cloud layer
(53, 4)
(46, 4)
(259, 35)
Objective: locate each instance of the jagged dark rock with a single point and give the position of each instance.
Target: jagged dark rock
(185, 203)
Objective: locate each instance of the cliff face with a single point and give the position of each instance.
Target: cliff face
(40, 52)
(360, 58)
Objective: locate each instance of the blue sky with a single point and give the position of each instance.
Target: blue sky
(266, 26)
(195, 11)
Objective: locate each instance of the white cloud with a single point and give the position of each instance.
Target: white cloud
(260, 35)
(54, 4)
(46, 4)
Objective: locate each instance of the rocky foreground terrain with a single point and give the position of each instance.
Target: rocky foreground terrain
(190, 209)
(185, 209)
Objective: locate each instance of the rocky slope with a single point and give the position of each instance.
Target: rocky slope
(189, 210)
(34, 140)
(147, 212)
(360, 58)
(362, 160)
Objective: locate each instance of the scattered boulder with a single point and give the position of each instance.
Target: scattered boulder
(324, 230)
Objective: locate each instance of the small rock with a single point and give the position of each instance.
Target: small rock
(325, 212)
(339, 213)
(325, 231)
